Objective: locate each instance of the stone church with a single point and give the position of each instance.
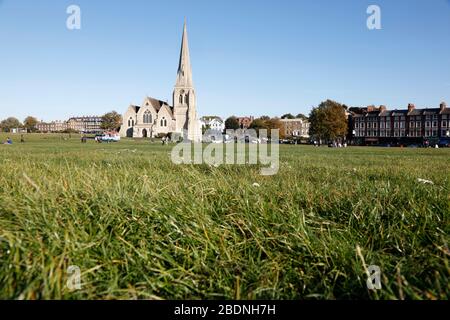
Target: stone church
(156, 118)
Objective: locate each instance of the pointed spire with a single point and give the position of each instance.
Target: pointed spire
(184, 76)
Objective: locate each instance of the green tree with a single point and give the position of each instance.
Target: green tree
(232, 123)
(111, 121)
(301, 116)
(328, 121)
(10, 123)
(287, 116)
(30, 123)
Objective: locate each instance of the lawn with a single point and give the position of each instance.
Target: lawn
(140, 227)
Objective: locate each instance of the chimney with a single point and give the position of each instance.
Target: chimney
(443, 105)
(411, 107)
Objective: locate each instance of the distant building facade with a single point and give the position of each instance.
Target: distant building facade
(295, 128)
(85, 124)
(374, 125)
(212, 123)
(245, 122)
(54, 126)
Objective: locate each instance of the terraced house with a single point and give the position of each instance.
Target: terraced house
(374, 125)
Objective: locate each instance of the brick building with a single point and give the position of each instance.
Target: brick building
(245, 122)
(374, 125)
(54, 126)
(89, 124)
(295, 128)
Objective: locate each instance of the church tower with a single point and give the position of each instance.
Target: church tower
(184, 100)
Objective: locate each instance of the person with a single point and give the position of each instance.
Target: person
(22, 140)
(8, 141)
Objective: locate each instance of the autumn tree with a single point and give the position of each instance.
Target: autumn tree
(30, 123)
(328, 121)
(111, 121)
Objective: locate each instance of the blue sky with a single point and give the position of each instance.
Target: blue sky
(249, 57)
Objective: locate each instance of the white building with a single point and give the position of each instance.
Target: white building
(213, 123)
(155, 117)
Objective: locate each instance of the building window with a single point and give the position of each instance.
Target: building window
(444, 124)
(147, 117)
(427, 124)
(163, 122)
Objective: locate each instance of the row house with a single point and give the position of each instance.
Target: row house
(295, 128)
(372, 125)
(88, 124)
(54, 126)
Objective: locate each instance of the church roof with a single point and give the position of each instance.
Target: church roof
(157, 104)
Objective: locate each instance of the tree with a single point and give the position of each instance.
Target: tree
(232, 123)
(258, 124)
(301, 116)
(267, 124)
(328, 121)
(276, 124)
(287, 116)
(30, 123)
(111, 121)
(10, 123)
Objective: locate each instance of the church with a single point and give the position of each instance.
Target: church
(156, 118)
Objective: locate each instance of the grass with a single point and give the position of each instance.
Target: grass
(140, 227)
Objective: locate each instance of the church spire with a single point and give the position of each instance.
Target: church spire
(184, 77)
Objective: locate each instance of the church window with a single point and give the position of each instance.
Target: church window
(147, 117)
(163, 122)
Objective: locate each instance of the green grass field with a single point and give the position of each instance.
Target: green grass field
(140, 227)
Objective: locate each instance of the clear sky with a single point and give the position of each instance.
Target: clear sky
(249, 57)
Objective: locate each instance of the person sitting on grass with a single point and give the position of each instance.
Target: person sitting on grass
(8, 141)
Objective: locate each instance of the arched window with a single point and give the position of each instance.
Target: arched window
(130, 122)
(163, 122)
(147, 117)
